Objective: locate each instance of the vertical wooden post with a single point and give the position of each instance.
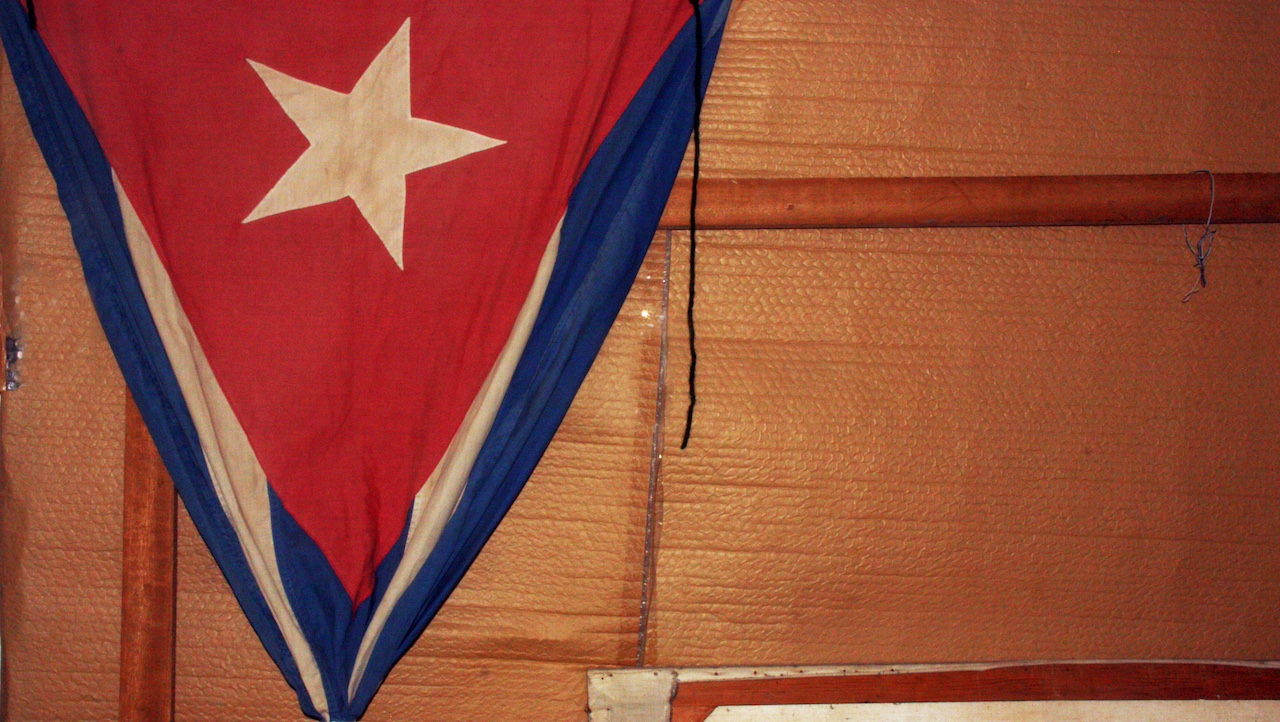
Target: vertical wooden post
(147, 624)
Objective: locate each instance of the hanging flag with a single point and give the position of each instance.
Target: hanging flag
(354, 260)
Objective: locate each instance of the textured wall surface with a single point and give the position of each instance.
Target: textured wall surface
(63, 440)
(911, 446)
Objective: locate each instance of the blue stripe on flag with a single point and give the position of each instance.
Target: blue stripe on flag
(612, 217)
(322, 605)
(88, 195)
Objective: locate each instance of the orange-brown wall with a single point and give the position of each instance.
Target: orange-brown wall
(911, 446)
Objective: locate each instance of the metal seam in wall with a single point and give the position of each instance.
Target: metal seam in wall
(653, 511)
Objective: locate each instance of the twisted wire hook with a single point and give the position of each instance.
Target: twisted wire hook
(1203, 246)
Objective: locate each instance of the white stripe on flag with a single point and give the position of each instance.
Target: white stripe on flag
(439, 496)
(237, 476)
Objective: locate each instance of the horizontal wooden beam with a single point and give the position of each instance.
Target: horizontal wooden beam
(1102, 200)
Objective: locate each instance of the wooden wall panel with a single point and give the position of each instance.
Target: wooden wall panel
(975, 445)
(945, 445)
(63, 445)
(994, 87)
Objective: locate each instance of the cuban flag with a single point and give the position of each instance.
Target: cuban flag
(355, 259)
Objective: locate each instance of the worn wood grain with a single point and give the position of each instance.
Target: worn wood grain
(1105, 200)
(149, 579)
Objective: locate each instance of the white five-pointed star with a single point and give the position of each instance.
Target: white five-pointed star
(363, 143)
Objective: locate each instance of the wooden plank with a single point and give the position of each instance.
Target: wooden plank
(1103, 200)
(694, 701)
(148, 614)
(1164, 710)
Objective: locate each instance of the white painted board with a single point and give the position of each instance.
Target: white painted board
(1153, 711)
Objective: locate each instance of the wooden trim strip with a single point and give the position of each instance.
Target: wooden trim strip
(694, 701)
(1103, 200)
(149, 579)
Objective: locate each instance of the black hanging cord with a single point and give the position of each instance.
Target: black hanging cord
(31, 13)
(693, 217)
